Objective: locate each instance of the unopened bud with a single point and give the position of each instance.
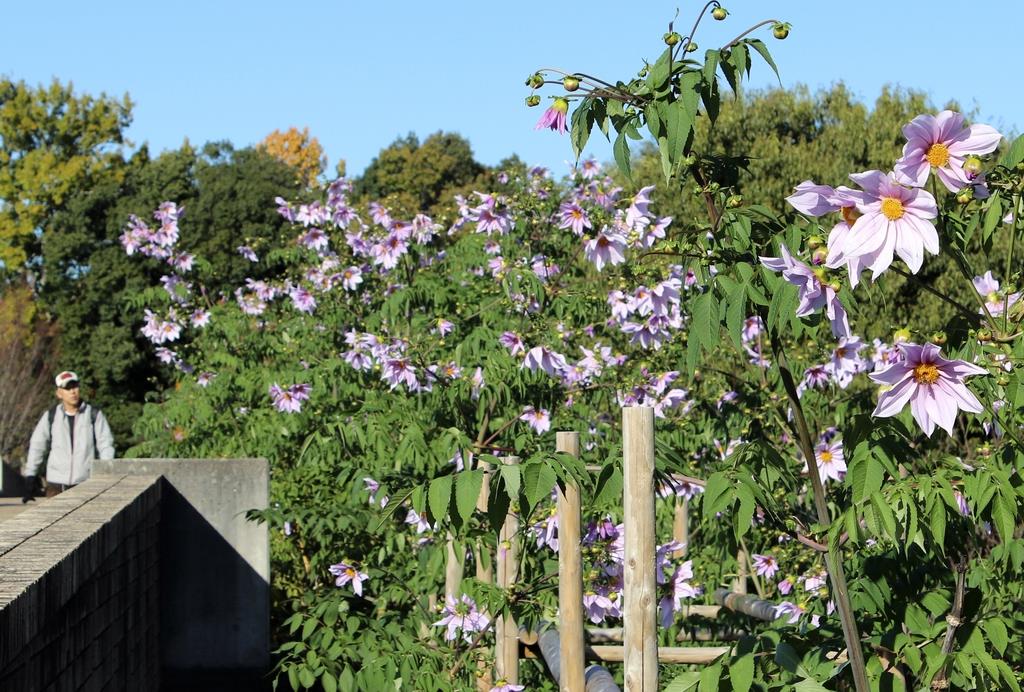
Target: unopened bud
(901, 335)
(818, 256)
(972, 167)
(671, 38)
(984, 335)
(965, 195)
(815, 242)
(691, 46)
(939, 338)
(535, 81)
(1003, 379)
(734, 201)
(719, 13)
(835, 285)
(780, 31)
(532, 100)
(570, 83)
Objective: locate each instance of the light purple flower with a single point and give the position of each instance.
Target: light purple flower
(961, 503)
(502, 686)
(538, 419)
(765, 565)
(543, 358)
(995, 301)
(607, 248)
(941, 142)
(248, 253)
(347, 573)
(846, 361)
(290, 400)
(814, 293)
(205, 378)
(351, 278)
(894, 219)
(573, 216)
(302, 299)
(933, 385)
(830, 460)
(461, 615)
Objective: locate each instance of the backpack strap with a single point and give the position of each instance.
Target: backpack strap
(93, 412)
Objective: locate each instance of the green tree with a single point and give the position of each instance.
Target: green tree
(53, 144)
(411, 177)
(94, 288)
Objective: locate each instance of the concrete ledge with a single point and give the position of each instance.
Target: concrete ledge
(215, 564)
(78, 585)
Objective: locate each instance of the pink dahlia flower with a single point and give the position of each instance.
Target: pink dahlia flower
(943, 143)
(933, 385)
(894, 219)
(554, 117)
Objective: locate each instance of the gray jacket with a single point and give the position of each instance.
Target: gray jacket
(67, 465)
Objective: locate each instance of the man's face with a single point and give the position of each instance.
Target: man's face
(69, 395)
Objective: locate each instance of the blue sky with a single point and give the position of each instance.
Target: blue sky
(360, 74)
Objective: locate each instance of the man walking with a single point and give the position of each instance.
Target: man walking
(75, 433)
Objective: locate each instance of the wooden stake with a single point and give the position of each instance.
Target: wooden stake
(453, 568)
(739, 584)
(483, 558)
(570, 575)
(640, 635)
(681, 526)
(506, 647)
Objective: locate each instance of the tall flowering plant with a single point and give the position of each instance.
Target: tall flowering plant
(391, 363)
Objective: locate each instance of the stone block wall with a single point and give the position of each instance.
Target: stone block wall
(79, 593)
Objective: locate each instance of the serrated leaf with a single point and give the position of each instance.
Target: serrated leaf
(1002, 516)
(467, 491)
(866, 478)
(511, 474)
(538, 480)
(760, 47)
(687, 682)
(997, 635)
(621, 151)
(786, 657)
(993, 217)
(582, 123)
(714, 490)
(741, 673)
(1015, 154)
(745, 511)
(438, 496)
(709, 678)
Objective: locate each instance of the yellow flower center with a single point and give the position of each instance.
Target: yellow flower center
(926, 373)
(826, 457)
(892, 208)
(938, 155)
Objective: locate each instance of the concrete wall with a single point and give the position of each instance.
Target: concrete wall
(78, 589)
(215, 567)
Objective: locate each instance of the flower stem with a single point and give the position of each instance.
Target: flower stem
(749, 31)
(973, 317)
(840, 590)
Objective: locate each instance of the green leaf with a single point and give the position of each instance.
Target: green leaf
(993, 217)
(758, 45)
(884, 513)
(937, 523)
(786, 657)
(711, 58)
(745, 511)
(1003, 511)
(438, 496)
(467, 491)
(704, 320)
(328, 682)
(582, 124)
(741, 673)
(511, 474)
(809, 685)
(715, 490)
(538, 480)
(866, 477)
(621, 151)
(687, 682)
(609, 486)
(709, 678)
(1015, 154)
(997, 635)
(736, 314)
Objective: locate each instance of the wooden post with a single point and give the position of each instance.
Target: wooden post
(506, 632)
(640, 635)
(570, 575)
(453, 568)
(681, 526)
(739, 584)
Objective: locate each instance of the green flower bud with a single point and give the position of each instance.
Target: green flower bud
(672, 38)
(535, 81)
(734, 201)
(691, 46)
(965, 195)
(781, 31)
(719, 13)
(570, 83)
(815, 242)
(984, 335)
(1003, 379)
(972, 167)
(532, 100)
(939, 338)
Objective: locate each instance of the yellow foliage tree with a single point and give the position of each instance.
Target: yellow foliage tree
(298, 150)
